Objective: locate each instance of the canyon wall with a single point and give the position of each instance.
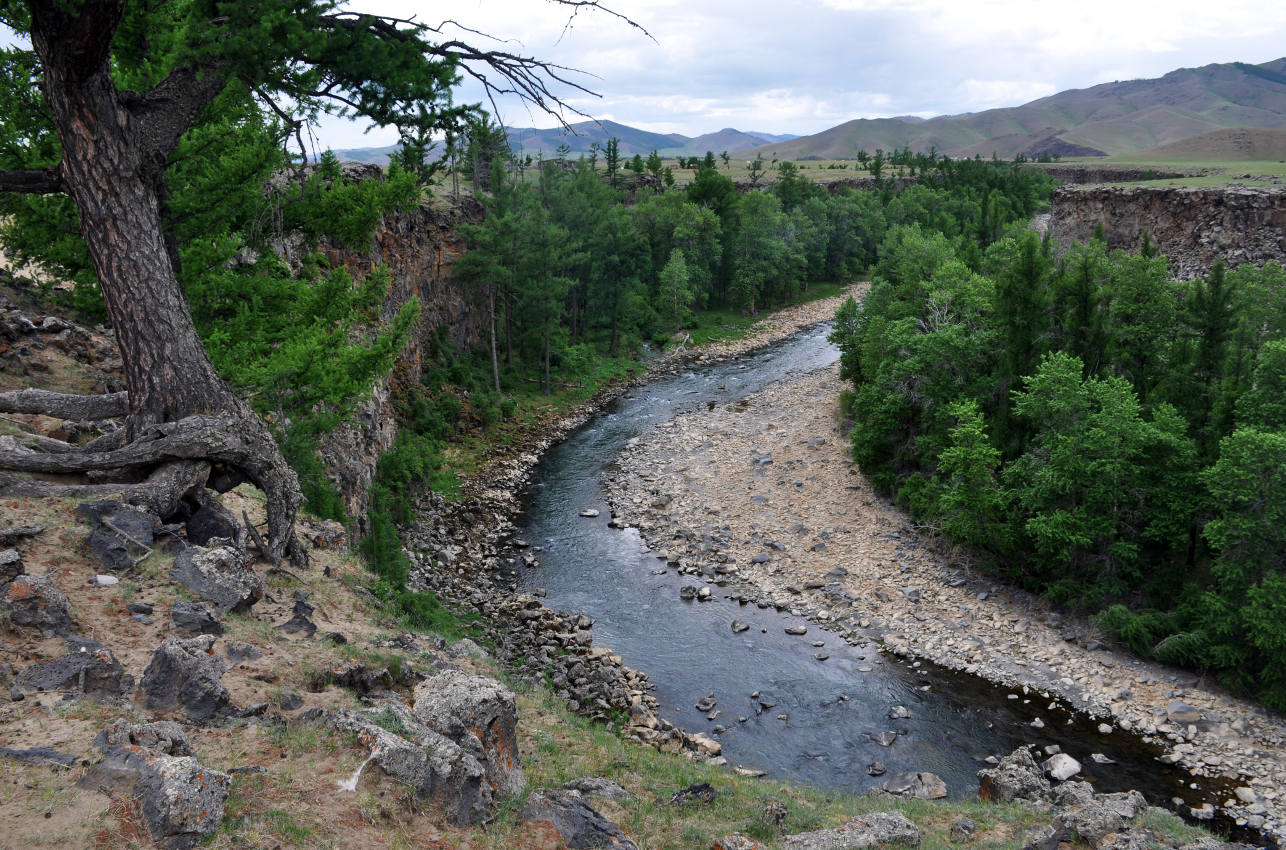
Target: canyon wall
(1193, 227)
(419, 248)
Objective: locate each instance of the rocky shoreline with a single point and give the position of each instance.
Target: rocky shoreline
(761, 499)
(467, 554)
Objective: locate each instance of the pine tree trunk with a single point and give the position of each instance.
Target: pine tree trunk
(495, 364)
(114, 151)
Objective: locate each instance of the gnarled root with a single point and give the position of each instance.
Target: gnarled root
(181, 454)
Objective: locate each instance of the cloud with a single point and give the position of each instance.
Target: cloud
(801, 66)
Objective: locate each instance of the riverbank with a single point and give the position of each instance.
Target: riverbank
(773, 472)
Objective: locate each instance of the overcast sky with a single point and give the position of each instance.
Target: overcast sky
(801, 66)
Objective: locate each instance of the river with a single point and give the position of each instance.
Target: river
(815, 722)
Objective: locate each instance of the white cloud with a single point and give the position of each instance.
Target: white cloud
(802, 66)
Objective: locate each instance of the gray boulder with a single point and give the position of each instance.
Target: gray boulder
(920, 786)
(868, 830)
(122, 533)
(597, 786)
(579, 824)
(480, 715)
(221, 576)
(97, 675)
(1096, 822)
(195, 618)
(181, 799)
(36, 602)
(163, 736)
(1072, 794)
(184, 673)
(437, 768)
(1017, 777)
(1061, 766)
(10, 566)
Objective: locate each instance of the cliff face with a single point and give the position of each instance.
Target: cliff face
(419, 248)
(1192, 227)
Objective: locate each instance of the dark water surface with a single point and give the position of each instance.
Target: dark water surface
(831, 707)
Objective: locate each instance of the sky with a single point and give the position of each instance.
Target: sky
(802, 66)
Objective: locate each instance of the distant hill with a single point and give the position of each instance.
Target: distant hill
(632, 140)
(1248, 143)
(1108, 119)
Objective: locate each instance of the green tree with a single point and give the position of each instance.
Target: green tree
(123, 84)
(675, 291)
(612, 161)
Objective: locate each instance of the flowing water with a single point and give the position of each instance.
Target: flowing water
(823, 715)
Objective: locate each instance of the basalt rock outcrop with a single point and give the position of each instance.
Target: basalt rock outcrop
(1192, 227)
(418, 248)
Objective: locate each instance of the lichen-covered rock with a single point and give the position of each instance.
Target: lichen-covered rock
(869, 830)
(185, 673)
(480, 715)
(1097, 822)
(10, 566)
(737, 841)
(163, 736)
(597, 786)
(222, 576)
(579, 823)
(195, 618)
(1017, 777)
(97, 675)
(434, 766)
(36, 602)
(919, 786)
(181, 800)
(122, 533)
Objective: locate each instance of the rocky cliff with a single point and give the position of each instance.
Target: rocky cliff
(419, 248)
(1192, 226)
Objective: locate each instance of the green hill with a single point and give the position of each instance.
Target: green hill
(1108, 119)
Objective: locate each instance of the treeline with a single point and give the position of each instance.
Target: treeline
(1114, 439)
(568, 266)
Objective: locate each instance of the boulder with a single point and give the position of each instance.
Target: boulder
(1097, 822)
(122, 534)
(579, 824)
(300, 617)
(478, 714)
(97, 675)
(164, 736)
(185, 673)
(209, 522)
(962, 830)
(437, 768)
(920, 786)
(36, 602)
(737, 841)
(222, 576)
(182, 800)
(1061, 767)
(1016, 777)
(597, 786)
(1180, 712)
(868, 830)
(195, 618)
(10, 566)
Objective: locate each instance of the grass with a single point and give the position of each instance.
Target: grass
(1204, 173)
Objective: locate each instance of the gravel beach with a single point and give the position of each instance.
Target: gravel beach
(772, 475)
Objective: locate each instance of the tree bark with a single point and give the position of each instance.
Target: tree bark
(115, 147)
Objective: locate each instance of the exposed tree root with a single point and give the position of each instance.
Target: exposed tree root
(180, 455)
(64, 406)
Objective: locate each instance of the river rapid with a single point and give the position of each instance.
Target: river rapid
(815, 708)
